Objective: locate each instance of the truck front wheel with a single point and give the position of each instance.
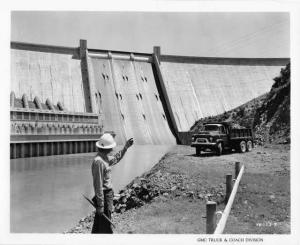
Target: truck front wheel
(249, 145)
(242, 147)
(219, 149)
(198, 151)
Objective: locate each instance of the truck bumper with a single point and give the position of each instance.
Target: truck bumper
(204, 145)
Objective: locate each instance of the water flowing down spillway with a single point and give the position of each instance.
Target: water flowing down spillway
(127, 95)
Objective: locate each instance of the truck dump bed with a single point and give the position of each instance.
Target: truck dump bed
(237, 133)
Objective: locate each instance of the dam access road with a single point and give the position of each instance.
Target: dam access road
(261, 206)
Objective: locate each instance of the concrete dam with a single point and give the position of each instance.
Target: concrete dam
(63, 98)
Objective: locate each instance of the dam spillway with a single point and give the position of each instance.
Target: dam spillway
(127, 95)
(150, 97)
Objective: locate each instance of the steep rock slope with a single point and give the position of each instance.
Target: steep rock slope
(272, 119)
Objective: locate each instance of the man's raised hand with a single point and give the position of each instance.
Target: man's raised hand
(129, 143)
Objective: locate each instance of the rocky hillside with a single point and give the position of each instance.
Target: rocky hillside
(272, 118)
(268, 115)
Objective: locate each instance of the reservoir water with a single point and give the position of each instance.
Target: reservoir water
(46, 192)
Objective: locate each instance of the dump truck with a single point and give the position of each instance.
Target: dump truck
(221, 136)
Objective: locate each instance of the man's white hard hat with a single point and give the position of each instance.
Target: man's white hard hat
(106, 141)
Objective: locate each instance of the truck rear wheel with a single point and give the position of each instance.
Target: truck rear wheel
(249, 145)
(219, 149)
(198, 151)
(242, 146)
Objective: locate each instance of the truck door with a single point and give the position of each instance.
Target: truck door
(224, 134)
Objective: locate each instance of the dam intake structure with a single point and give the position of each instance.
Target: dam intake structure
(63, 99)
(39, 129)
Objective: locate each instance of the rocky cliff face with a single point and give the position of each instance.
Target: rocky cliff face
(272, 118)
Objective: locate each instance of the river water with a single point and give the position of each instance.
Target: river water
(46, 192)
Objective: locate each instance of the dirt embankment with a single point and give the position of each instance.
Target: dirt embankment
(171, 197)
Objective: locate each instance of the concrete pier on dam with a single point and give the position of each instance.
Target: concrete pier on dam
(63, 99)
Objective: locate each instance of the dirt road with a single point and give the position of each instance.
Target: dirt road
(186, 182)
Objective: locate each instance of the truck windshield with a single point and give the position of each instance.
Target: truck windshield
(211, 128)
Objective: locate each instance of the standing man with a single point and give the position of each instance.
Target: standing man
(101, 171)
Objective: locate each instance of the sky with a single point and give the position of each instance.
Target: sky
(214, 34)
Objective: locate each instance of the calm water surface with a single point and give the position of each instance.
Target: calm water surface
(46, 192)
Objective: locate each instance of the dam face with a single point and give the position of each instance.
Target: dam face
(150, 97)
(203, 87)
(48, 74)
